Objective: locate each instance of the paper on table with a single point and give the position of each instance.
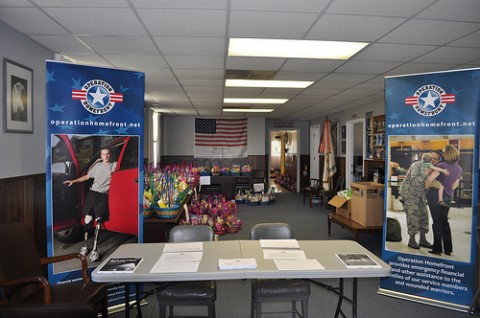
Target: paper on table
(183, 247)
(237, 263)
(291, 265)
(182, 257)
(279, 243)
(179, 262)
(162, 266)
(284, 254)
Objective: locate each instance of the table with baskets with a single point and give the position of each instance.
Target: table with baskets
(156, 226)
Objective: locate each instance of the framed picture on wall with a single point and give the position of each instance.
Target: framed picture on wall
(18, 97)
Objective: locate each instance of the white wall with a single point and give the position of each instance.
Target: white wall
(24, 154)
(351, 114)
(178, 136)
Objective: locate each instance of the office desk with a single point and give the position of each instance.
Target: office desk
(323, 251)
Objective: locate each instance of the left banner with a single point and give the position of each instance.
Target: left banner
(94, 162)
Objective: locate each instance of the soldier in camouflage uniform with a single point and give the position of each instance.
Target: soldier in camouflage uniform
(414, 200)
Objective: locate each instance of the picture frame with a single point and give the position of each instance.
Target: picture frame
(18, 97)
(343, 150)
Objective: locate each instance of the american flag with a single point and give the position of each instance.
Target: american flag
(221, 138)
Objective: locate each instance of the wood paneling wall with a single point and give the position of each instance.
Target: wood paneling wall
(23, 200)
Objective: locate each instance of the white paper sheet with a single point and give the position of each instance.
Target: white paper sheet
(284, 254)
(279, 243)
(183, 247)
(182, 257)
(237, 263)
(305, 265)
(162, 266)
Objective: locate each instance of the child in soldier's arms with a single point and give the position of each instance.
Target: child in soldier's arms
(426, 164)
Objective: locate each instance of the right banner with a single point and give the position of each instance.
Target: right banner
(431, 191)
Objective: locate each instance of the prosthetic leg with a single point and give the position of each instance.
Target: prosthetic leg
(94, 256)
(94, 253)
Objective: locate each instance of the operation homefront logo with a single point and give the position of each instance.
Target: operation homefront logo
(97, 96)
(429, 100)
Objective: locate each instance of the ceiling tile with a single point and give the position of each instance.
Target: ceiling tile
(471, 40)
(429, 32)
(88, 59)
(352, 27)
(404, 8)
(180, 4)
(136, 61)
(98, 21)
(175, 22)
(367, 67)
(200, 46)
(27, 20)
(456, 55)
(392, 52)
(279, 25)
(460, 10)
(61, 43)
(199, 74)
(116, 44)
(280, 5)
(195, 62)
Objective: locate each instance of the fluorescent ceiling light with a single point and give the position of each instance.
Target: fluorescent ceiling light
(248, 110)
(255, 100)
(294, 48)
(267, 83)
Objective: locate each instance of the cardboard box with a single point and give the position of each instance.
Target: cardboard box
(342, 205)
(367, 203)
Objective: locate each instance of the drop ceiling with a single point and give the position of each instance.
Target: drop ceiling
(181, 45)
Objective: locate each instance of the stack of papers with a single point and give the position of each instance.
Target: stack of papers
(237, 263)
(287, 255)
(179, 258)
(279, 243)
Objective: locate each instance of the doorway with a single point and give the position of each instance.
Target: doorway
(283, 163)
(355, 151)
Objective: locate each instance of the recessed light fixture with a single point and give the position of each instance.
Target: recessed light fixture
(306, 49)
(255, 100)
(266, 83)
(248, 110)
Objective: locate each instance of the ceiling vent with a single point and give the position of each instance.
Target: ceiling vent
(249, 74)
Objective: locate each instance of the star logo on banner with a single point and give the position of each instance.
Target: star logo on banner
(97, 96)
(429, 100)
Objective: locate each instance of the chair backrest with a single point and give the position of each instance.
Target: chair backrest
(191, 233)
(315, 183)
(19, 255)
(271, 231)
(340, 183)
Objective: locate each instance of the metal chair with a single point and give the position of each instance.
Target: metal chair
(201, 293)
(277, 290)
(313, 189)
(25, 292)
